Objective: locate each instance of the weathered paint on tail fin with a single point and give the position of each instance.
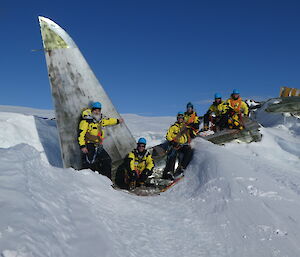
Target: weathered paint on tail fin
(74, 86)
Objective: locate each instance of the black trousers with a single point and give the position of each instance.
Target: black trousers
(124, 175)
(220, 122)
(141, 178)
(184, 155)
(97, 159)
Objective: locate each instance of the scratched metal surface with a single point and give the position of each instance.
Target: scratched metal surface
(74, 86)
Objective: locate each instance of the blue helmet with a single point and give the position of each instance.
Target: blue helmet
(236, 91)
(218, 95)
(189, 105)
(180, 114)
(142, 141)
(96, 105)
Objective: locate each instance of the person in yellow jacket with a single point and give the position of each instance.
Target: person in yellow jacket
(191, 120)
(216, 114)
(137, 167)
(177, 137)
(90, 139)
(237, 109)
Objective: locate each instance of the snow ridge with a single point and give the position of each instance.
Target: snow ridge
(235, 200)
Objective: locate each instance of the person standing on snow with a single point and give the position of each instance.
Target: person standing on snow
(177, 137)
(90, 139)
(137, 167)
(216, 114)
(237, 110)
(191, 120)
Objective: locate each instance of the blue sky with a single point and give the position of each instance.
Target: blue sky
(152, 57)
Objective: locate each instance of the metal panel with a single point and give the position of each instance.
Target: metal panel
(74, 86)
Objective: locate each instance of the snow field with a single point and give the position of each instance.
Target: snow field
(235, 200)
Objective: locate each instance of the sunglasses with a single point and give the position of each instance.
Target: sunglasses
(141, 145)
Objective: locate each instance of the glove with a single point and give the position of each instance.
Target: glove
(144, 175)
(133, 175)
(147, 172)
(175, 144)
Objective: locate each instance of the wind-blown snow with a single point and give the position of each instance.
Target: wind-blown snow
(235, 200)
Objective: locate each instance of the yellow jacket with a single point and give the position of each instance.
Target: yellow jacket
(218, 109)
(140, 161)
(173, 133)
(192, 122)
(238, 105)
(90, 131)
(191, 119)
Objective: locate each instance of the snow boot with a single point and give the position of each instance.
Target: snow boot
(168, 176)
(179, 172)
(132, 185)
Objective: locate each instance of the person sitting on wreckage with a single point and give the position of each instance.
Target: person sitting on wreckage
(136, 168)
(191, 120)
(178, 140)
(237, 109)
(90, 139)
(216, 114)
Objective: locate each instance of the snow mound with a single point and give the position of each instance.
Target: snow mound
(49, 114)
(38, 132)
(235, 200)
